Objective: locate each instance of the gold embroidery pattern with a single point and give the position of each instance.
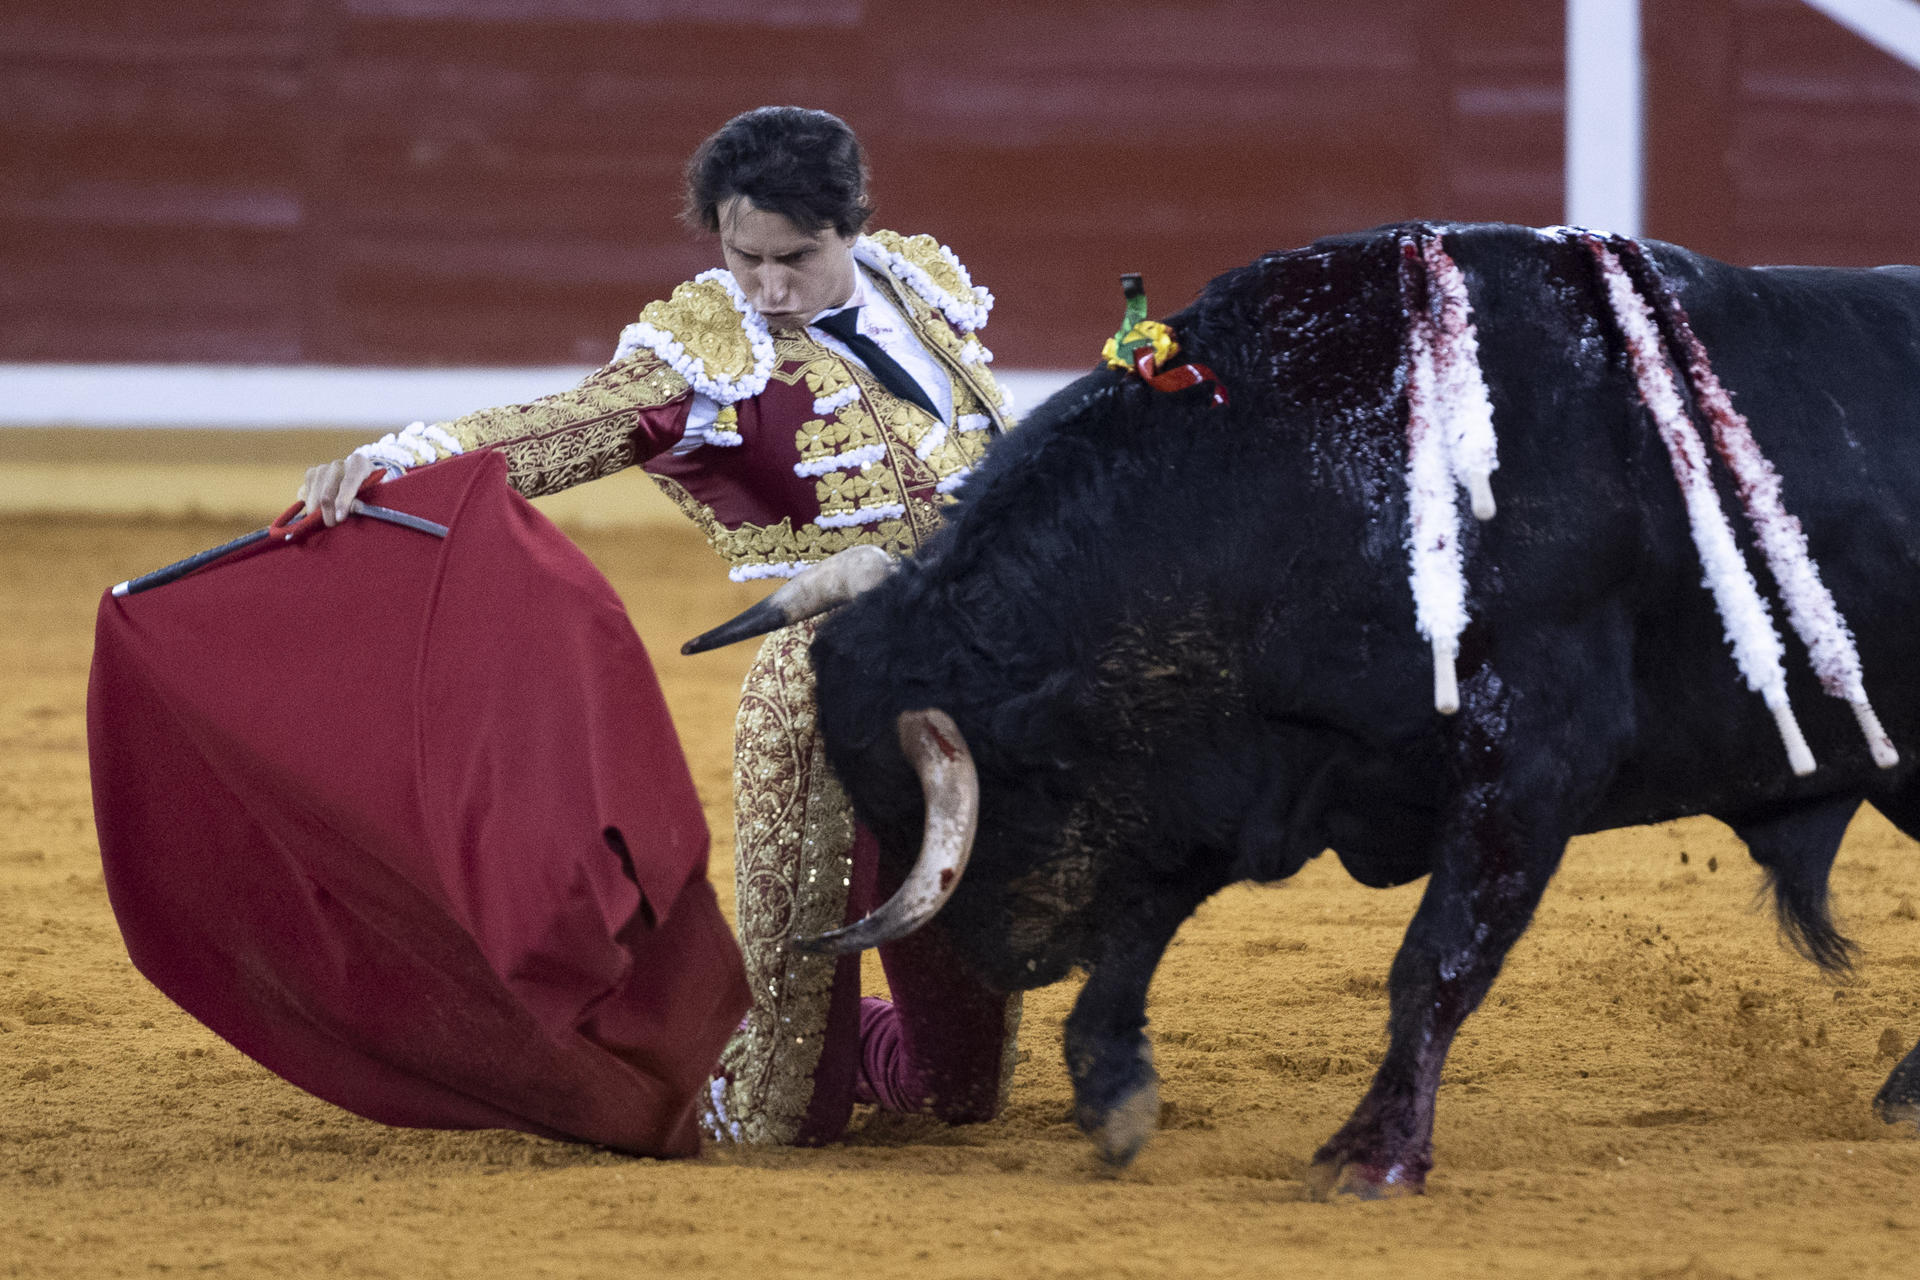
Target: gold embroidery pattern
(924, 252)
(843, 492)
(753, 544)
(701, 317)
(851, 427)
(577, 435)
(961, 450)
(820, 438)
(983, 381)
(877, 417)
(881, 409)
(793, 832)
(826, 374)
(917, 479)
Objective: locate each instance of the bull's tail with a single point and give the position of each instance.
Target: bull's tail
(1806, 920)
(1796, 847)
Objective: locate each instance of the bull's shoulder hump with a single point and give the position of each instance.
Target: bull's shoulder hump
(1895, 284)
(1900, 274)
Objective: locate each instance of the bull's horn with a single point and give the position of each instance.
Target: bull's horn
(952, 789)
(813, 591)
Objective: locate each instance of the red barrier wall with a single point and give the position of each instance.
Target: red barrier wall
(455, 181)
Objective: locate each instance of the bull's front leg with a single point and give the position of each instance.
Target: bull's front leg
(1116, 1092)
(1498, 845)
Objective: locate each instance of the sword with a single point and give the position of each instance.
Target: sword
(199, 560)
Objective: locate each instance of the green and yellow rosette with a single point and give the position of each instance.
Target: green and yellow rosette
(1147, 347)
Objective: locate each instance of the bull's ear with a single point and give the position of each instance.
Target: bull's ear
(1043, 715)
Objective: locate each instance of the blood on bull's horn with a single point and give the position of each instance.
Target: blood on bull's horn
(938, 753)
(813, 591)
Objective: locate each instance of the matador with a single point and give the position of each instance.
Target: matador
(827, 388)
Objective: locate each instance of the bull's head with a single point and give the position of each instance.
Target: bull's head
(928, 738)
(948, 781)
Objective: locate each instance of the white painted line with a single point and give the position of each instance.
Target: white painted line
(266, 397)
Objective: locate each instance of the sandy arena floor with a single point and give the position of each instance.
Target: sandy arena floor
(1656, 1088)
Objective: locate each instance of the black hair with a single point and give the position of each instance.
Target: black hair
(804, 165)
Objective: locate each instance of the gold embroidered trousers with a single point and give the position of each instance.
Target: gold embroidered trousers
(801, 867)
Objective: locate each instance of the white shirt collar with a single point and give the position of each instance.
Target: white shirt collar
(882, 319)
(859, 298)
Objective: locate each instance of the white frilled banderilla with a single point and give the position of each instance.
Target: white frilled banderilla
(1451, 445)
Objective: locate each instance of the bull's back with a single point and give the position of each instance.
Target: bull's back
(1824, 365)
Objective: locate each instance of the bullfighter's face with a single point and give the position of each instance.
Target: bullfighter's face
(788, 274)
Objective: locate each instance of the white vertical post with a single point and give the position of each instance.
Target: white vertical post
(1893, 25)
(1605, 162)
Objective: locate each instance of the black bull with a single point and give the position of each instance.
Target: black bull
(1179, 640)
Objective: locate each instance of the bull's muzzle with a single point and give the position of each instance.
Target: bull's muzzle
(933, 744)
(813, 591)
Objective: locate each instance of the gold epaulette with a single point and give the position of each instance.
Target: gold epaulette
(931, 270)
(706, 333)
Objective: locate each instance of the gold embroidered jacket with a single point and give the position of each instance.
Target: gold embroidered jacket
(810, 454)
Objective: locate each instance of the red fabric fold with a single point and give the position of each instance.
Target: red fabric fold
(405, 820)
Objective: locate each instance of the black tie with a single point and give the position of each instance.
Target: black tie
(845, 325)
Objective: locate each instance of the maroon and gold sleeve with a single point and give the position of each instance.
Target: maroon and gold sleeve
(618, 416)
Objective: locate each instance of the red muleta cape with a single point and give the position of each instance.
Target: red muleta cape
(405, 820)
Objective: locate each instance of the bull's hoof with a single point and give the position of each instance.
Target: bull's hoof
(1900, 1113)
(1357, 1180)
(1119, 1128)
(1124, 1128)
(1898, 1101)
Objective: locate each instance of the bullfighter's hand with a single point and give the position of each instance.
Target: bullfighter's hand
(330, 487)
